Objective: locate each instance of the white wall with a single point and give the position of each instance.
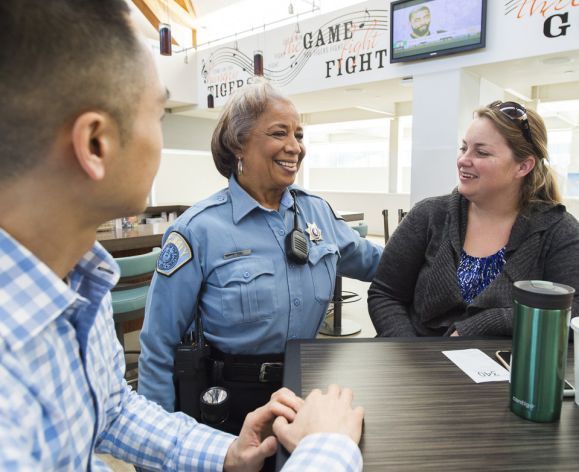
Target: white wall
(370, 179)
(185, 132)
(185, 177)
(435, 137)
(187, 173)
(572, 205)
(178, 73)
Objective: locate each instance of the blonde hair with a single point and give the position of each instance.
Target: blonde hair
(539, 185)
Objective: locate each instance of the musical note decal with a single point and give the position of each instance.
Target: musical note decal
(324, 35)
(361, 26)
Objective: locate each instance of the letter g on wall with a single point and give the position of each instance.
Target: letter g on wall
(561, 29)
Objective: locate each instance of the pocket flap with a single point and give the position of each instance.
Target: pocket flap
(244, 270)
(319, 252)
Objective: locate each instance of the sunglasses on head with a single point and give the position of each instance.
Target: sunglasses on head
(517, 113)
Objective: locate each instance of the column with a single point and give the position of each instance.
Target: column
(442, 108)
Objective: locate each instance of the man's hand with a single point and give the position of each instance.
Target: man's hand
(321, 413)
(255, 442)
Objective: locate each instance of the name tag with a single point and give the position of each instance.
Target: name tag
(232, 255)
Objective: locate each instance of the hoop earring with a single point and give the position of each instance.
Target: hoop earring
(239, 166)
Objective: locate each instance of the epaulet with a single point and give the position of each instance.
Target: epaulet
(216, 199)
(301, 191)
(337, 216)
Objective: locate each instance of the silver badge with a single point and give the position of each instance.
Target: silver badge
(314, 232)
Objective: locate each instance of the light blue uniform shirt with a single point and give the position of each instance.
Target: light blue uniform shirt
(251, 298)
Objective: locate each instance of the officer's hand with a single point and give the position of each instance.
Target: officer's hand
(322, 413)
(255, 442)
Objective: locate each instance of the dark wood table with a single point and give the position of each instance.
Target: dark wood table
(424, 413)
(352, 215)
(140, 239)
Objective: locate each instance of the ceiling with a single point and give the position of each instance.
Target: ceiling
(551, 78)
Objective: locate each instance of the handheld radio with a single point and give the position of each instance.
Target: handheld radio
(296, 244)
(191, 371)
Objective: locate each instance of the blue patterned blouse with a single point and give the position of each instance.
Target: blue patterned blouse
(476, 273)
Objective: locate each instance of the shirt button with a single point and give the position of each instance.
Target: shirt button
(281, 232)
(220, 198)
(246, 274)
(297, 302)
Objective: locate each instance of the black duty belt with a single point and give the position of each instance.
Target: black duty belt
(266, 368)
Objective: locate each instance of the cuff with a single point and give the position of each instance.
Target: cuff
(204, 449)
(325, 451)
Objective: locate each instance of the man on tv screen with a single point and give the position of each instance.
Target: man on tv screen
(420, 22)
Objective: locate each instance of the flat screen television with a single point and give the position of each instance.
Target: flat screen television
(421, 29)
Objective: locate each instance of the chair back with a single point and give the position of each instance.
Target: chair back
(401, 214)
(361, 228)
(130, 294)
(137, 271)
(386, 229)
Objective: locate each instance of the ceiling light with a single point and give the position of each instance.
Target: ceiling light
(165, 39)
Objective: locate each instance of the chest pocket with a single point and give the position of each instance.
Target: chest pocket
(323, 261)
(247, 287)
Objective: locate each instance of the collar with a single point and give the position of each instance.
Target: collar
(32, 295)
(242, 203)
(458, 215)
(534, 218)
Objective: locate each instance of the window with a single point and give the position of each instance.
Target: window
(561, 118)
(559, 145)
(349, 156)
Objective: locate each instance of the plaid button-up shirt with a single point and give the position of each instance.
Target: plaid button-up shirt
(62, 391)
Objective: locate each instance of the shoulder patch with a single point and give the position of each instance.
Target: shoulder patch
(175, 254)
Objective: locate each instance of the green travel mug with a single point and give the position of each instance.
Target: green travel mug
(542, 311)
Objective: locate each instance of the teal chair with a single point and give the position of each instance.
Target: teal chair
(361, 228)
(129, 298)
(130, 294)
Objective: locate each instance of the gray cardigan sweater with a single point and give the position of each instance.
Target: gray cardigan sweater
(415, 291)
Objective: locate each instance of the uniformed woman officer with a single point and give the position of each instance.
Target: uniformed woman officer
(228, 258)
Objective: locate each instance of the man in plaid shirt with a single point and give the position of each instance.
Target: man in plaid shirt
(80, 144)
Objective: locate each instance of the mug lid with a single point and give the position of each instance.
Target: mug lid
(543, 294)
